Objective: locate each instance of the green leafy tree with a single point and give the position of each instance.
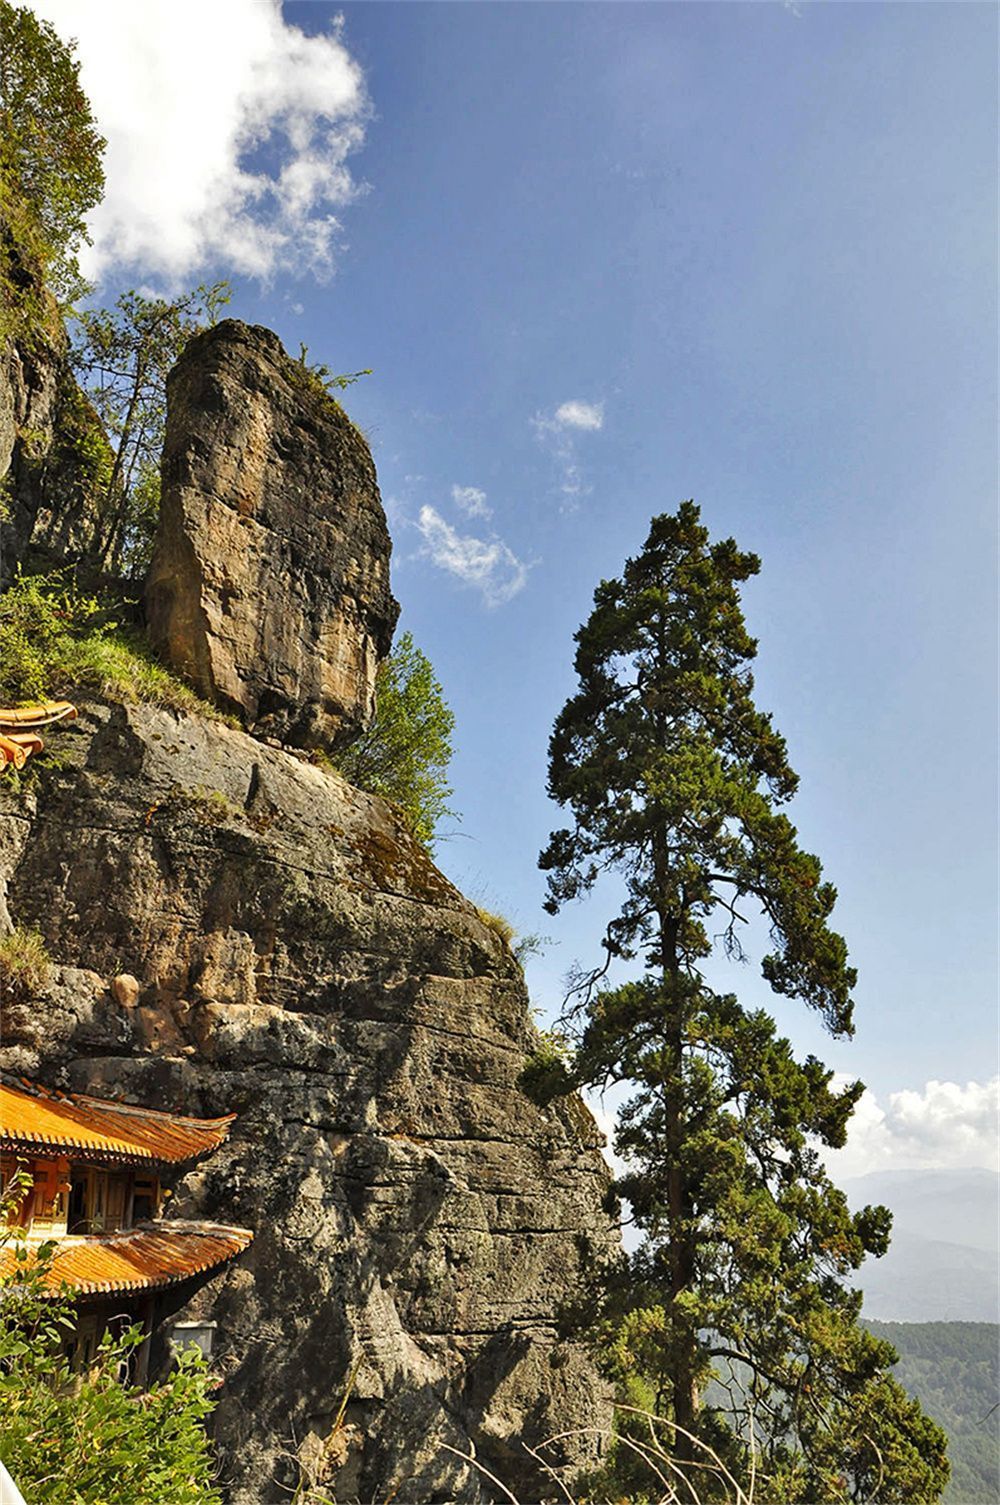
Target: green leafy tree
(675, 781)
(122, 356)
(50, 151)
(73, 1437)
(404, 755)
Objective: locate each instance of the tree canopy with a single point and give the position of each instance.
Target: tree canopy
(675, 781)
(122, 356)
(50, 147)
(404, 754)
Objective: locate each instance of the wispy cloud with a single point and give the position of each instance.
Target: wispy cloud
(942, 1124)
(190, 96)
(579, 415)
(558, 432)
(471, 501)
(487, 564)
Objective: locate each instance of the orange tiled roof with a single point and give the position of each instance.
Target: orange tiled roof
(87, 1128)
(19, 729)
(145, 1258)
(45, 713)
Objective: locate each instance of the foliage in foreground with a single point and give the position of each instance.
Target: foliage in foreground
(404, 755)
(675, 781)
(56, 639)
(70, 1438)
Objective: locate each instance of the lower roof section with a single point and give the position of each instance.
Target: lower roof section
(147, 1257)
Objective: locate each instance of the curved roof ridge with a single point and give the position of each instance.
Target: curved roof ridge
(34, 1118)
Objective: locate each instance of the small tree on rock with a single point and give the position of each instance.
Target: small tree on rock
(675, 781)
(404, 754)
(122, 356)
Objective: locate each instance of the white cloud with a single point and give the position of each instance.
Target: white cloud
(580, 415)
(486, 563)
(943, 1125)
(606, 1122)
(228, 134)
(471, 501)
(558, 431)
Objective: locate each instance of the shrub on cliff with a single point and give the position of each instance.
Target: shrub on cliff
(90, 1436)
(24, 963)
(404, 754)
(56, 639)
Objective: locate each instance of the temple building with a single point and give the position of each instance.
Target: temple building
(21, 728)
(96, 1191)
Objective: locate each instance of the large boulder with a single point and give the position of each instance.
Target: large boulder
(269, 587)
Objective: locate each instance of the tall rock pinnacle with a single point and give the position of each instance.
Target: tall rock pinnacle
(269, 587)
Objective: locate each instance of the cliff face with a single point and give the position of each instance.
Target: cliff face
(52, 446)
(269, 588)
(301, 962)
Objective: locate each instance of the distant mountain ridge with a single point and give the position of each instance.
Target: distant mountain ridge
(951, 1367)
(944, 1263)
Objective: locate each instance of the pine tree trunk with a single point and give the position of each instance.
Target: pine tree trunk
(681, 1266)
(681, 1254)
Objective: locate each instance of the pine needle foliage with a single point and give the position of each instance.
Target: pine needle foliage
(676, 781)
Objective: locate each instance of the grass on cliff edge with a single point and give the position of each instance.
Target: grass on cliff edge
(24, 962)
(55, 640)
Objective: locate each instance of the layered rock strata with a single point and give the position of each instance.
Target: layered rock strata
(269, 588)
(300, 962)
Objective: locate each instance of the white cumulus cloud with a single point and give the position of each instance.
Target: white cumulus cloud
(607, 1123)
(471, 501)
(229, 132)
(942, 1125)
(579, 415)
(485, 563)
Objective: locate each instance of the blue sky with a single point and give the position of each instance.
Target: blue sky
(601, 258)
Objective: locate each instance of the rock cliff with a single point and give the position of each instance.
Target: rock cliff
(269, 588)
(236, 930)
(52, 446)
(302, 963)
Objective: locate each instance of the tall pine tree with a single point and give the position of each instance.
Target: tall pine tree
(675, 781)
